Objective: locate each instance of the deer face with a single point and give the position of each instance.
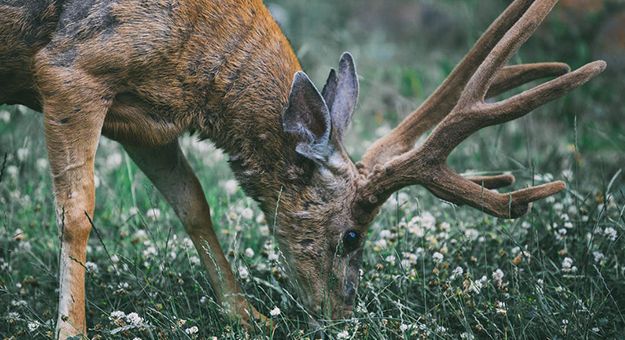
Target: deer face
(315, 226)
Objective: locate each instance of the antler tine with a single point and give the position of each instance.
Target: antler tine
(488, 182)
(479, 83)
(508, 205)
(443, 100)
(514, 76)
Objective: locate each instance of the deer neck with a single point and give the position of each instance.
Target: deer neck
(243, 112)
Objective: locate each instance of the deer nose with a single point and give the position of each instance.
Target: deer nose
(350, 293)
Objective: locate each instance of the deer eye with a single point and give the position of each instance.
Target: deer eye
(351, 240)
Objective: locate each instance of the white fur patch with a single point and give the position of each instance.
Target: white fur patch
(336, 161)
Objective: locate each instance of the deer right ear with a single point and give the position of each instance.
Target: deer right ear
(341, 93)
(308, 116)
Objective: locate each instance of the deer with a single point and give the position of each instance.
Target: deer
(142, 73)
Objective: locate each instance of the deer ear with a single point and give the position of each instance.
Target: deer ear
(341, 93)
(308, 116)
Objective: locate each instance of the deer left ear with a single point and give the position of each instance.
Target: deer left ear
(341, 93)
(308, 116)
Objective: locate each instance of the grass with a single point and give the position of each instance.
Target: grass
(430, 270)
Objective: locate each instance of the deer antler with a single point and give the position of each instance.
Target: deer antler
(459, 105)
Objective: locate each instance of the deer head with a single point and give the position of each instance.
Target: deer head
(321, 227)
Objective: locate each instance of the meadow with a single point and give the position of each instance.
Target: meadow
(431, 270)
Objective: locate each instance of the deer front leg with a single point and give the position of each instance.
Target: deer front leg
(168, 169)
(74, 109)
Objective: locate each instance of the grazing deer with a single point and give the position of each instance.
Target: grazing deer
(144, 72)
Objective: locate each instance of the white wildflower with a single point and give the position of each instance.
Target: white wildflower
(467, 336)
(247, 213)
(141, 235)
(476, 286)
(134, 319)
(133, 211)
(187, 243)
(151, 250)
(117, 315)
(20, 303)
(385, 234)
(610, 233)
(92, 267)
(568, 174)
(457, 272)
(380, 244)
(249, 252)
(115, 258)
(153, 214)
(599, 257)
(32, 326)
(264, 230)
(274, 312)
(573, 210)
(243, 273)
(471, 234)
(437, 257)
(114, 160)
(501, 308)
(403, 327)
(42, 164)
(273, 256)
(411, 258)
(342, 335)
(567, 263)
(230, 187)
(191, 330)
(498, 276)
(12, 171)
(22, 154)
